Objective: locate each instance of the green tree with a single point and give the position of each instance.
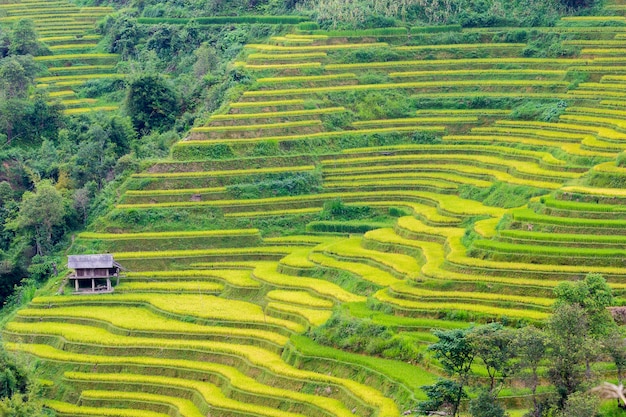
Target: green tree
(456, 353)
(151, 103)
(24, 38)
(580, 404)
(13, 79)
(568, 332)
(493, 345)
(593, 294)
(530, 345)
(12, 113)
(123, 34)
(94, 159)
(40, 212)
(486, 405)
(442, 396)
(18, 395)
(5, 42)
(615, 347)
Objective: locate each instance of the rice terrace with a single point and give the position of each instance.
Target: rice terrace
(289, 208)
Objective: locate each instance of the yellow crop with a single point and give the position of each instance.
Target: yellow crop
(141, 319)
(197, 305)
(235, 377)
(300, 298)
(234, 277)
(256, 356)
(364, 271)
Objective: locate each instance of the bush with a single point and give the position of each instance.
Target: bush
(485, 405)
(539, 111)
(364, 336)
(288, 185)
(151, 103)
(500, 194)
(337, 210)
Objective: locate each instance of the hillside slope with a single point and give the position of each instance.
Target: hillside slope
(392, 175)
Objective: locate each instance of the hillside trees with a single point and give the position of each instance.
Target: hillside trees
(20, 117)
(377, 13)
(151, 103)
(18, 393)
(575, 336)
(456, 353)
(39, 213)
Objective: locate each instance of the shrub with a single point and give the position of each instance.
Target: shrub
(485, 405)
(337, 210)
(364, 336)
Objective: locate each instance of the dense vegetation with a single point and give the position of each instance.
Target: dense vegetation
(324, 207)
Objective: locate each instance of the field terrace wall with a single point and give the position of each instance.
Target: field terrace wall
(232, 257)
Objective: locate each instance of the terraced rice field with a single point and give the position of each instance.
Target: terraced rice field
(223, 281)
(74, 59)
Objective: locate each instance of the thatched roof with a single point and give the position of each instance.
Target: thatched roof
(91, 261)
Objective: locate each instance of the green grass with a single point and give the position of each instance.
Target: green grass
(248, 104)
(465, 63)
(549, 250)
(306, 78)
(411, 376)
(563, 237)
(301, 137)
(285, 125)
(439, 306)
(72, 409)
(490, 46)
(472, 84)
(325, 47)
(230, 172)
(530, 216)
(289, 113)
(164, 235)
(578, 206)
(362, 311)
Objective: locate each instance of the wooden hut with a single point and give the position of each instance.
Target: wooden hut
(93, 273)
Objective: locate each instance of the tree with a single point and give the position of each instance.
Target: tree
(530, 346)
(123, 34)
(151, 103)
(568, 331)
(593, 295)
(456, 353)
(12, 112)
(13, 79)
(441, 396)
(81, 203)
(24, 38)
(485, 405)
(94, 159)
(580, 404)
(493, 344)
(40, 212)
(615, 347)
(17, 392)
